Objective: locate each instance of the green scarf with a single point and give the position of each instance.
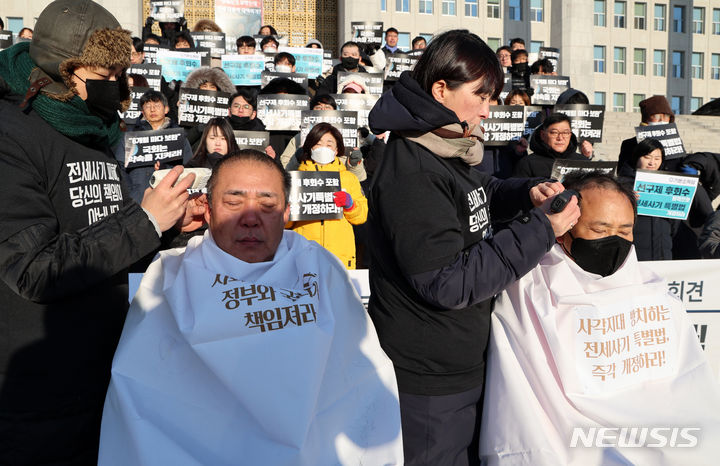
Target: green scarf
(71, 118)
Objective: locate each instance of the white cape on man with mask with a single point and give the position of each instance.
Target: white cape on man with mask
(581, 366)
(227, 362)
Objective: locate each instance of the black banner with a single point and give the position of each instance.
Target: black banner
(267, 76)
(134, 112)
(198, 106)
(215, 41)
(150, 71)
(586, 121)
(504, 123)
(367, 32)
(281, 112)
(547, 89)
(667, 134)
(344, 121)
(562, 168)
(144, 148)
(311, 195)
(258, 140)
(167, 11)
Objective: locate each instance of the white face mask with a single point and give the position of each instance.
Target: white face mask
(322, 155)
(283, 69)
(269, 50)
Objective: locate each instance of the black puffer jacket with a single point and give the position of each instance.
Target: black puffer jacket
(436, 262)
(68, 233)
(540, 162)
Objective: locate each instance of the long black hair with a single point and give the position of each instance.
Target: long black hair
(218, 124)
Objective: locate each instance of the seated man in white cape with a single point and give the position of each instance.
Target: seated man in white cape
(250, 346)
(591, 361)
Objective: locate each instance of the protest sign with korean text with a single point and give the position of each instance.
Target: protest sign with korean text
(281, 112)
(664, 194)
(344, 121)
(396, 63)
(134, 112)
(507, 87)
(308, 61)
(151, 51)
(258, 140)
(327, 61)
(144, 148)
(534, 117)
(504, 123)
(561, 168)
(167, 11)
(198, 106)
(548, 88)
(205, 55)
(152, 73)
(267, 76)
(367, 32)
(177, 65)
(244, 70)
(215, 41)
(667, 135)
(552, 54)
(586, 121)
(360, 103)
(373, 81)
(311, 196)
(6, 39)
(237, 17)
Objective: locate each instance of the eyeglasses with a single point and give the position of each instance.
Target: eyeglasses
(242, 106)
(563, 134)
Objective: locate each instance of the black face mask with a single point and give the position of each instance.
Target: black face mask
(213, 158)
(349, 63)
(238, 122)
(520, 67)
(103, 99)
(602, 256)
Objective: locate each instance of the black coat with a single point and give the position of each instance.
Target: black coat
(540, 162)
(68, 233)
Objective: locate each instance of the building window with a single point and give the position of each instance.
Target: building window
(599, 58)
(404, 41)
(619, 61)
(659, 17)
(698, 20)
(679, 19)
(659, 63)
(535, 46)
(599, 15)
(600, 98)
(695, 103)
(715, 66)
(493, 8)
(620, 12)
(640, 15)
(536, 10)
(515, 10)
(471, 8)
(618, 102)
(494, 42)
(637, 98)
(716, 21)
(402, 6)
(427, 37)
(448, 7)
(639, 62)
(425, 6)
(678, 61)
(676, 104)
(696, 65)
(383, 5)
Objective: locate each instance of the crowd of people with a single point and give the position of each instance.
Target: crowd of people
(449, 229)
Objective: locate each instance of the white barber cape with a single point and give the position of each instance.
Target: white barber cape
(581, 366)
(223, 362)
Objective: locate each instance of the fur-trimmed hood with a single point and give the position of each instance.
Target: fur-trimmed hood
(207, 74)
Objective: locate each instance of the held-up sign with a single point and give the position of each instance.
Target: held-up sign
(281, 112)
(344, 121)
(396, 63)
(150, 71)
(151, 51)
(586, 121)
(504, 123)
(143, 148)
(367, 32)
(167, 11)
(552, 54)
(507, 87)
(307, 61)
(178, 65)
(198, 106)
(311, 196)
(373, 81)
(258, 140)
(548, 88)
(664, 194)
(360, 103)
(327, 61)
(6, 39)
(534, 116)
(133, 113)
(244, 70)
(667, 135)
(562, 168)
(205, 55)
(215, 41)
(267, 76)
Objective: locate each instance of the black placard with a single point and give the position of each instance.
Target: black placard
(215, 41)
(311, 195)
(134, 112)
(552, 54)
(267, 76)
(367, 32)
(504, 123)
(360, 103)
(562, 168)
(507, 87)
(204, 52)
(150, 71)
(667, 134)
(6, 39)
(547, 89)
(373, 81)
(144, 148)
(151, 50)
(586, 121)
(534, 116)
(345, 121)
(198, 106)
(167, 11)
(396, 63)
(258, 140)
(281, 112)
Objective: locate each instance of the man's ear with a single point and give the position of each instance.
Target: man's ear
(206, 215)
(439, 90)
(286, 215)
(253, 115)
(167, 109)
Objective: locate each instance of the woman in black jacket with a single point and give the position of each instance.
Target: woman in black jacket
(436, 261)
